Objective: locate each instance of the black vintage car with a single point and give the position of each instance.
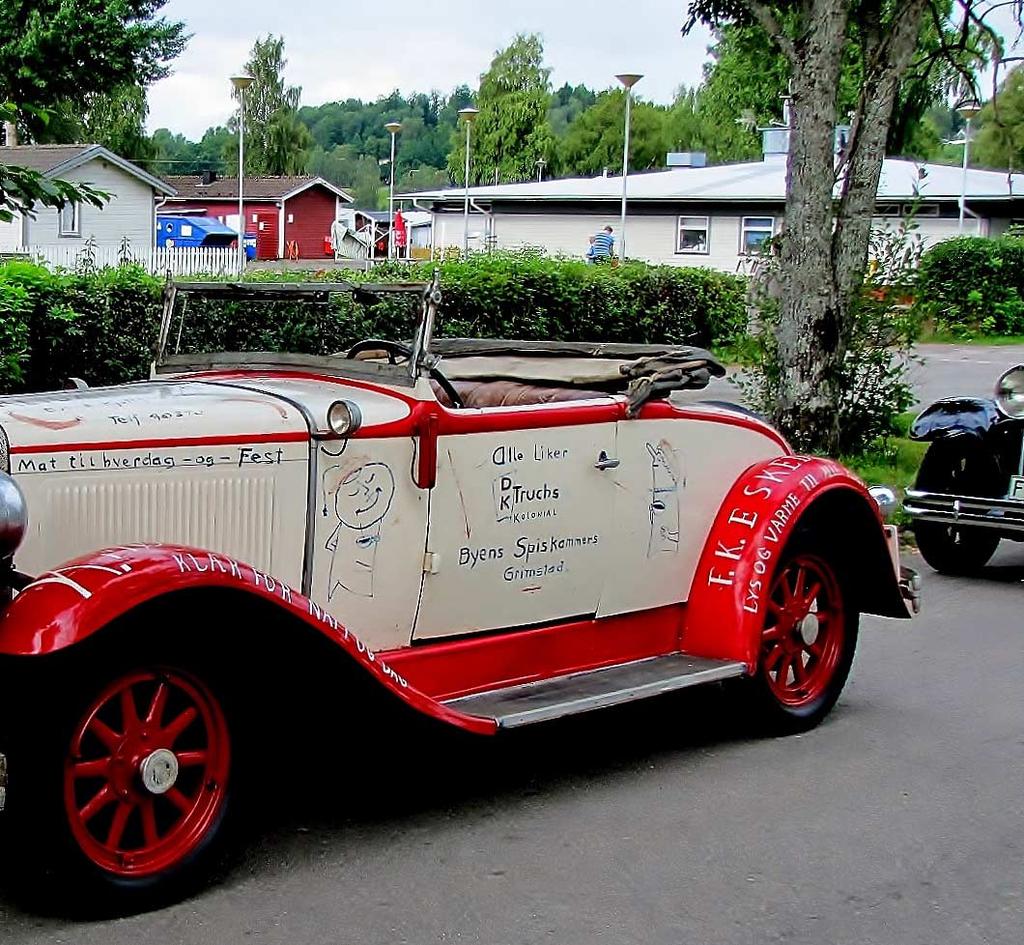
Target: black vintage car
(969, 492)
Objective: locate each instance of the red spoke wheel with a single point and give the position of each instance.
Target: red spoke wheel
(145, 779)
(807, 641)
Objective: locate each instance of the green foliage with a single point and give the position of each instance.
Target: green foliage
(276, 141)
(594, 140)
(100, 324)
(974, 285)
(511, 133)
(999, 138)
(56, 54)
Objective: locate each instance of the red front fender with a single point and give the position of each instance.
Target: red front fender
(725, 612)
(73, 602)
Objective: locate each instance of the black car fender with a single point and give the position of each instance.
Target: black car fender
(956, 416)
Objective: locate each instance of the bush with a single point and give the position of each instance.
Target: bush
(101, 324)
(974, 284)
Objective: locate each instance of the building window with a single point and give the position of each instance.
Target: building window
(692, 235)
(69, 219)
(754, 233)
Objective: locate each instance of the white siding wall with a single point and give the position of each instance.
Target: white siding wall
(10, 235)
(651, 238)
(129, 212)
(934, 230)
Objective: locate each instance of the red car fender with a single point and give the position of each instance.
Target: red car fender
(725, 611)
(67, 605)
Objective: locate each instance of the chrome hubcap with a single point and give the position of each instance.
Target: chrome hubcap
(809, 628)
(159, 771)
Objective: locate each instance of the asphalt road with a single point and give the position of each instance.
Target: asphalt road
(897, 821)
(939, 370)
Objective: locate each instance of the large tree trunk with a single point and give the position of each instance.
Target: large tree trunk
(824, 249)
(809, 318)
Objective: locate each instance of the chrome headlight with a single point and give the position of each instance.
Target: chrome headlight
(344, 418)
(13, 516)
(1010, 392)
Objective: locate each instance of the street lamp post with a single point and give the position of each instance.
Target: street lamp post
(393, 127)
(468, 115)
(628, 80)
(967, 112)
(241, 83)
(541, 164)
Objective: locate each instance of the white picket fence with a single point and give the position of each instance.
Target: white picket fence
(179, 260)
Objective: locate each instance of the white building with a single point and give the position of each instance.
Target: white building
(128, 214)
(706, 216)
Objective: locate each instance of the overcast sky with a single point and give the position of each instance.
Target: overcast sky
(365, 50)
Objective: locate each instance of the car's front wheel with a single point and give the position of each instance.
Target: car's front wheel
(957, 468)
(808, 639)
(121, 793)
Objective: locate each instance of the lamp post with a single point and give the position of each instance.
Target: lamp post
(241, 83)
(628, 80)
(967, 112)
(468, 115)
(541, 164)
(393, 127)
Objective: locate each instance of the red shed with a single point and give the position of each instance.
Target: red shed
(289, 215)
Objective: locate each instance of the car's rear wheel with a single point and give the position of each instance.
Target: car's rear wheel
(808, 639)
(955, 468)
(120, 794)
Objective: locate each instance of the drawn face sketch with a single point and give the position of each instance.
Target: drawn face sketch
(361, 501)
(664, 501)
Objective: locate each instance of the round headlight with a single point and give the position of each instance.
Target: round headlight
(343, 418)
(1010, 392)
(13, 516)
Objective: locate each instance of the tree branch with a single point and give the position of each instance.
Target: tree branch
(765, 17)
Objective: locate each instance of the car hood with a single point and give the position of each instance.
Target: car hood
(149, 413)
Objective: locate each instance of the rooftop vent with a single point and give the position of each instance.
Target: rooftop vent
(207, 178)
(686, 159)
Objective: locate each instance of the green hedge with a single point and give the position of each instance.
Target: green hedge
(973, 284)
(101, 325)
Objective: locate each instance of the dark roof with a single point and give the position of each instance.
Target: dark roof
(53, 160)
(41, 157)
(256, 188)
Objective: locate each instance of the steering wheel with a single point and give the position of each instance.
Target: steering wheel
(395, 350)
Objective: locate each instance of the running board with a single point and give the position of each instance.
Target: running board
(594, 689)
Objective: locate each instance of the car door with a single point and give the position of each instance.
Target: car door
(519, 520)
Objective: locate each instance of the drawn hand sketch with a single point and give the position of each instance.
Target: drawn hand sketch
(664, 504)
(361, 500)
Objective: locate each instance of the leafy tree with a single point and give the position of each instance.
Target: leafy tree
(567, 104)
(359, 174)
(1000, 134)
(822, 255)
(594, 140)
(115, 119)
(511, 133)
(60, 53)
(268, 100)
(287, 145)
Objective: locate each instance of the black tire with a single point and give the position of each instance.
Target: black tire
(62, 862)
(957, 467)
(803, 667)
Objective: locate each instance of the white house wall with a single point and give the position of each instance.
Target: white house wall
(10, 234)
(130, 212)
(648, 237)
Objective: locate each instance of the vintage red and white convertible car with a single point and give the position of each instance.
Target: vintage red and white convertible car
(488, 534)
